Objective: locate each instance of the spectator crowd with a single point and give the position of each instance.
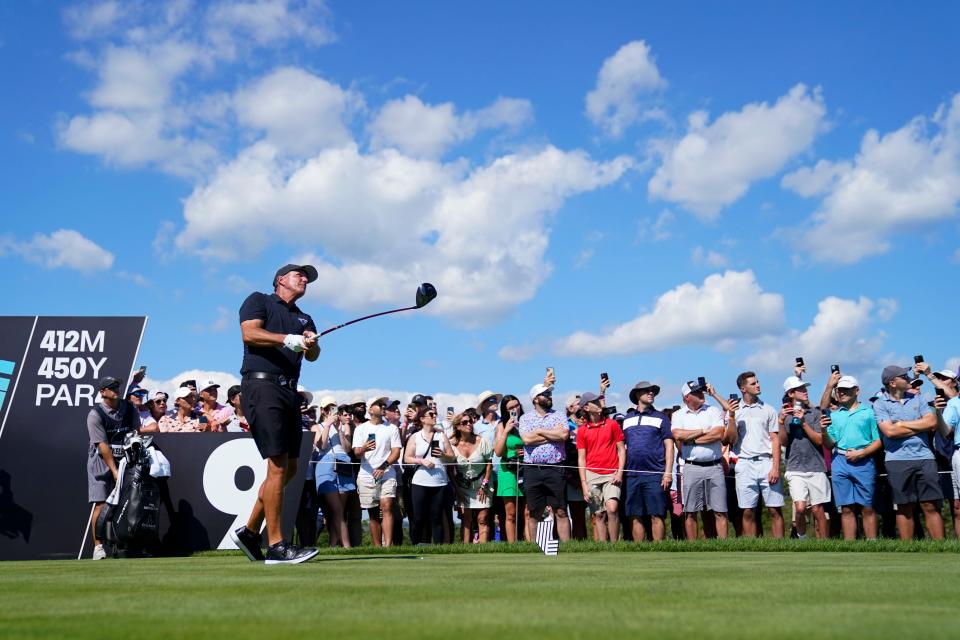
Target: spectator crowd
(854, 464)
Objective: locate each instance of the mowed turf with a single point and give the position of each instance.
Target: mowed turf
(573, 595)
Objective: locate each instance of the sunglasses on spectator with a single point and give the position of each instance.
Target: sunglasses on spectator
(432, 414)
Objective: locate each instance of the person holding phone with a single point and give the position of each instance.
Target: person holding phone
(508, 444)
(428, 450)
(850, 431)
(378, 445)
(544, 433)
(906, 427)
(474, 466)
(328, 443)
(184, 419)
(801, 434)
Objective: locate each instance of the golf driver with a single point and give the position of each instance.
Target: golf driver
(426, 292)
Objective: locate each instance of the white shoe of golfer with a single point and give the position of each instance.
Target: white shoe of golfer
(99, 553)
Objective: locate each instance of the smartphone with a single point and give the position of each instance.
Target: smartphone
(733, 397)
(203, 420)
(604, 377)
(676, 407)
(799, 361)
(143, 368)
(702, 381)
(371, 437)
(514, 413)
(918, 359)
(449, 409)
(941, 393)
(826, 411)
(834, 368)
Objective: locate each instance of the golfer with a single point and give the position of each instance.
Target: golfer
(276, 337)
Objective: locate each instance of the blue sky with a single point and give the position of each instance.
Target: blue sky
(655, 192)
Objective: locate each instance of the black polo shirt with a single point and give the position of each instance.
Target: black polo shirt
(278, 317)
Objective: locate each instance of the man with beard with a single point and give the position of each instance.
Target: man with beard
(544, 433)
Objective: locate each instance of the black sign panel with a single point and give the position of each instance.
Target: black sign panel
(43, 444)
(212, 488)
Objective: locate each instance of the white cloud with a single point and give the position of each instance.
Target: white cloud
(953, 363)
(708, 257)
(906, 179)
(519, 353)
(90, 19)
(841, 333)
(64, 248)
(715, 163)
(615, 103)
(359, 208)
(146, 110)
(300, 112)
(727, 305)
(266, 22)
(655, 229)
(428, 131)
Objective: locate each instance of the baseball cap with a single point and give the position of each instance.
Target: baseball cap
(893, 371)
(137, 391)
(643, 385)
(326, 401)
(208, 384)
(573, 400)
(586, 397)
(392, 403)
(108, 382)
(688, 388)
(305, 394)
(310, 271)
(376, 399)
(189, 383)
(182, 392)
(946, 374)
(540, 389)
(156, 395)
(847, 382)
(233, 392)
(419, 399)
(793, 382)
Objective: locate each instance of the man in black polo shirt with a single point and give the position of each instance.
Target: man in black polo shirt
(276, 337)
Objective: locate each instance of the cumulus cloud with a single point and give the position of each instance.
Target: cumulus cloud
(144, 109)
(64, 248)
(624, 79)
(906, 179)
(715, 163)
(842, 333)
(423, 130)
(431, 210)
(300, 112)
(726, 306)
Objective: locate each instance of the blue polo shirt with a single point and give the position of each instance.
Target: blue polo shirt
(853, 429)
(951, 415)
(643, 435)
(915, 447)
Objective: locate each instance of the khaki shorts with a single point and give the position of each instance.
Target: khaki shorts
(601, 489)
(811, 487)
(372, 492)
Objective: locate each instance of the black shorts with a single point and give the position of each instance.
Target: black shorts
(273, 413)
(913, 481)
(544, 486)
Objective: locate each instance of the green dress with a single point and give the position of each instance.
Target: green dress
(507, 478)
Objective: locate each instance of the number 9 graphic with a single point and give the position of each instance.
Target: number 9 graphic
(219, 482)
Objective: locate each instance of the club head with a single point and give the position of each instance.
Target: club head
(425, 293)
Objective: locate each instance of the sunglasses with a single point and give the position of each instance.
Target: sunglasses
(466, 421)
(431, 414)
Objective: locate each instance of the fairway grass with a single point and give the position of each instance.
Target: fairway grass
(573, 595)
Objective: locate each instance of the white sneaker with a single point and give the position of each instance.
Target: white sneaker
(99, 553)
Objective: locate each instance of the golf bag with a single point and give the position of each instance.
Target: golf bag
(129, 521)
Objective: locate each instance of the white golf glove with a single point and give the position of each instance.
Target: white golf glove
(294, 342)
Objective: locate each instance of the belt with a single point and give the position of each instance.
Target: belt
(283, 381)
(703, 463)
(756, 458)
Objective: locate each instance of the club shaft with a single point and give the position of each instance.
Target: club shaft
(374, 315)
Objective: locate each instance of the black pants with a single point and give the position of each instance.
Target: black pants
(427, 514)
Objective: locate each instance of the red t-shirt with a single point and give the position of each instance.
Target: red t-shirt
(600, 440)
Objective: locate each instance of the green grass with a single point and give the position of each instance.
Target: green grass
(490, 595)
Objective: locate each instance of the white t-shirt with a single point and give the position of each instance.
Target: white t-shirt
(707, 417)
(387, 438)
(435, 477)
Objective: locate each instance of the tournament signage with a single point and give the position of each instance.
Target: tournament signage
(49, 368)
